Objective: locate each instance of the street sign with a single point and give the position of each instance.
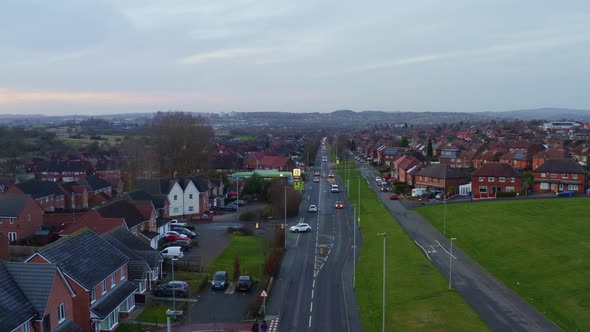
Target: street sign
(263, 294)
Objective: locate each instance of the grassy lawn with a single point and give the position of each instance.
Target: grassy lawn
(155, 313)
(249, 248)
(536, 247)
(417, 298)
(194, 279)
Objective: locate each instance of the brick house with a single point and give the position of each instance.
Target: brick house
(542, 156)
(140, 218)
(39, 298)
(408, 168)
(97, 272)
(440, 177)
(488, 156)
(20, 216)
(46, 193)
(76, 196)
(260, 160)
(491, 178)
(560, 174)
(61, 171)
(168, 189)
(99, 190)
(520, 159)
(4, 248)
(95, 222)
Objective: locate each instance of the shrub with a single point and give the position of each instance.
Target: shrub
(505, 194)
(248, 216)
(273, 263)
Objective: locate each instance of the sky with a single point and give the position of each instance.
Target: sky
(102, 57)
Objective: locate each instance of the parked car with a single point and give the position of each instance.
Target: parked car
(186, 232)
(566, 193)
(240, 202)
(339, 205)
(174, 252)
(230, 207)
(173, 288)
(244, 283)
(331, 175)
(312, 208)
(393, 197)
(175, 223)
(300, 227)
(184, 245)
(220, 280)
(175, 236)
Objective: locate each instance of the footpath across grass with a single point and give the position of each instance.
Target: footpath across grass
(539, 248)
(251, 251)
(416, 293)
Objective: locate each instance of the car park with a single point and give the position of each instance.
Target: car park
(175, 223)
(175, 288)
(300, 227)
(244, 283)
(339, 205)
(312, 208)
(220, 280)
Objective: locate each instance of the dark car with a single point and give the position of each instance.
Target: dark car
(173, 288)
(244, 283)
(230, 207)
(220, 280)
(184, 245)
(566, 193)
(186, 232)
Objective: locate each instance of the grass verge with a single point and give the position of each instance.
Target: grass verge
(250, 249)
(536, 247)
(416, 293)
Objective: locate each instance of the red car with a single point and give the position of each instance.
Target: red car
(175, 236)
(393, 197)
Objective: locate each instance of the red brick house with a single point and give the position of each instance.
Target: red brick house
(408, 168)
(62, 171)
(39, 298)
(95, 222)
(440, 177)
(46, 193)
(488, 156)
(491, 178)
(20, 216)
(542, 156)
(560, 174)
(4, 248)
(103, 292)
(260, 160)
(520, 159)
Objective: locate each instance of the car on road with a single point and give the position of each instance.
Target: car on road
(316, 179)
(393, 197)
(300, 227)
(186, 232)
(244, 283)
(240, 202)
(176, 223)
(220, 280)
(316, 173)
(331, 175)
(312, 208)
(566, 193)
(339, 205)
(175, 288)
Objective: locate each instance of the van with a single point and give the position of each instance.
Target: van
(172, 252)
(418, 192)
(335, 188)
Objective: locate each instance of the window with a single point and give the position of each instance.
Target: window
(512, 179)
(11, 221)
(490, 179)
(190, 196)
(191, 209)
(481, 179)
(122, 272)
(574, 176)
(11, 236)
(544, 186)
(110, 321)
(502, 179)
(175, 197)
(483, 189)
(113, 283)
(61, 312)
(510, 189)
(93, 295)
(553, 175)
(104, 286)
(543, 175)
(564, 175)
(573, 187)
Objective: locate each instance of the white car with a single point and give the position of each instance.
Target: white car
(176, 223)
(301, 227)
(312, 208)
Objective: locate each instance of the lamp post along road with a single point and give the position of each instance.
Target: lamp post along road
(451, 262)
(384, 245)
(285, 217)
(354, 248)
(445, 215)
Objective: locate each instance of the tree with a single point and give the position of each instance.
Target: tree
(429, 153)
(405, 142)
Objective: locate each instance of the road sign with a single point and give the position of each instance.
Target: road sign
(263, 294)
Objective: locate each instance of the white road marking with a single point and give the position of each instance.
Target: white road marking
(440, 245)
(309, 320)
(425, 252)
(311, 307)
(313, 283)
(312, 293)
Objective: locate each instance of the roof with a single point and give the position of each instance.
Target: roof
(11, 205)
(201, 182)
(517, 155)
(95, 183)
(561, 165)
(496, 169)
(441, 171)
(103, 307)
(15, 308)
(149, 234)
(155, 186)
(94, 221)
(68, 326)
(140, 248)
(35, 280)
(136, 266)
(85, 257)
(39, 189)
(122, 209)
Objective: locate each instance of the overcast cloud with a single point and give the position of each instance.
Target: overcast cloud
(112, 56)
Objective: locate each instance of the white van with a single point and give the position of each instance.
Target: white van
(335, 188)
(172, 252)
(416, 192)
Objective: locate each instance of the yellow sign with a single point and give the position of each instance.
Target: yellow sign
(296, 172)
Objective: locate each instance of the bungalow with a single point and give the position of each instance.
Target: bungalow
(492, 178)
(555, 175)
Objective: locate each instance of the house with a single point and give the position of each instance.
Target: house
(262, 161)
(408, 168)
(492, 178)
(76, 196)
(520, 159)
(6, 183)
(204, 186)
(61, 171)
(440, 177)
(97, 272)
(4, 248)
(35, 297)
(191, 202)
(140, 218)
(20, 216)
(97, 187)
(560, 174)
(95, 222)
(170, 189)
(487, 156)
(542, 156)
(46, 193)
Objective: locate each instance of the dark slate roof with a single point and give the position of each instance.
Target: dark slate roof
(35, 280)
(11, 205)
(155, 186)
(161, 221)
(140, 248)
(201, 182)
(39, 189)
(15, 308)
(95, 183)
(149, 234)
(85, 257)
(561, 165)
(137, 264)
(159, 200)
(60, 166)
(68, 326)
(496, 169)
(138, 270)
(113, 299)
(440, 171)
(122, 209)
(152, 257)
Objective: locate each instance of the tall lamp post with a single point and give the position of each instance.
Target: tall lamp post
(285, 208)
(172, 313)
(354, 248)
(384, 244)
(445, 215)
(359, 200)
(451, 262)
(237, 200)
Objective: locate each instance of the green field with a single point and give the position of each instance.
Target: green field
(249, 248)
(85, 140)
(536, 247)
(417, 298)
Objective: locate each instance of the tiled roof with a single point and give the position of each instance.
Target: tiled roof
(149, 234)
(113, 299)
(68, 326)
(95, 183)
(440, 171)
(517, 155)
(122, 209)
(60, 166)
(15, 308)
(201, 182)
(11, 205)
(561, 165)
(155, 186)
(85, 257)
(128, 239)
(137, 264)
(94, 221)
(39, 189)
(496, 169)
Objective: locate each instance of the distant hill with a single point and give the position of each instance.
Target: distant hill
(549, 114)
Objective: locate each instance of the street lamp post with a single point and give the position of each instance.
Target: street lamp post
(285, 208)
(451, 263)
(237, 200)
(359, 200)
(384, 245)
(354, 248)
(445, 215)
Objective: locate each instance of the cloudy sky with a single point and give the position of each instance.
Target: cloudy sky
(115, 56)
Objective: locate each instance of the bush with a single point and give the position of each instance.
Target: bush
(248, 216)
(273, 263)
(505, 194)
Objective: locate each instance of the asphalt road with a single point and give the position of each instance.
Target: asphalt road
(497, 305)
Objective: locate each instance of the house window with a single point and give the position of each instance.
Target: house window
(122, 272)
(61, 312)
(93, 295)
(512, 179)
(543, 175)
(191, 209)
(502, 179)
(190, 196)
(564, 175)
(574, 176)
(490, 179)
(104, 286)
(128, 304)
(483, 189)
(420, 177)
(11, 221)
(573, 187)
(113, 283)
(175, 197)
(11, 236)
(553, 175)
(29, 217)
(481, 179)
(544, 186)
(110, 321)
(140, 286)
(510, 189)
